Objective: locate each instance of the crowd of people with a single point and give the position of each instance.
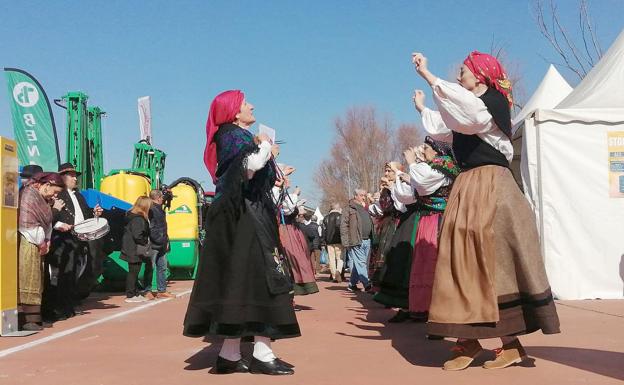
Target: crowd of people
(448, 238)
(57, 269)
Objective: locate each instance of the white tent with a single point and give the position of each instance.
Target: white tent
(580, 225)
(550, 92)
(319, 216)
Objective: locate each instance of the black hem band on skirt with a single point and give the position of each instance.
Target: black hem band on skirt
(305, 288)
(249, 329)
(519, 314)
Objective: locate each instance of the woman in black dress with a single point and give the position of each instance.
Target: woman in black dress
(243, 288)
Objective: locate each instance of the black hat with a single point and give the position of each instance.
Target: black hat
(67, 168)
(29, 170)
(442, 148)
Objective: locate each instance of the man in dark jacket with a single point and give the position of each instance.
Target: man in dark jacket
(311, 230)
(69, 257)
(159, 240)
(356, 231)
(331, 234)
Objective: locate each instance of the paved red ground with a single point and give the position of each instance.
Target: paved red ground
(345, 340)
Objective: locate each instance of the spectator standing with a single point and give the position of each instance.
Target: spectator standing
(311, 230)
(331, 224)
(159, 242)
(135, 249)
(356, 230)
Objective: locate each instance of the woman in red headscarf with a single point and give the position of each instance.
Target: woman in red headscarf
(490, 279)
(243, 288)
(34, 231)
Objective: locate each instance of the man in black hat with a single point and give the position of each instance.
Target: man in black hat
(69, 256)
(28, 171)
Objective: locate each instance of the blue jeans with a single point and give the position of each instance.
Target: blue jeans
(358, 263)
(159, 260)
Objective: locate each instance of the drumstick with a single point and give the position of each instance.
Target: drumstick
(97, 220)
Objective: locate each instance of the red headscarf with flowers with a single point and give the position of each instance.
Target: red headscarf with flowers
(489, 71)
(222, 110)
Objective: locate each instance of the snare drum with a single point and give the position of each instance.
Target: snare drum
(91, 229)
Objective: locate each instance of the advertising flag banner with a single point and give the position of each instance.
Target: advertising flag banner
(33, 123)
(145, 118)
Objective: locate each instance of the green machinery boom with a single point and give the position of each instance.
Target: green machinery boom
(84, 146)
(150, 161)
(84, 139)
(94, 137)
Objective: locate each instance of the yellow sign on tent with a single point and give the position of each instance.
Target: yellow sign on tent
(615, 144)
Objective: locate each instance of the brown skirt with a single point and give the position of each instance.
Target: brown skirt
(490, 279)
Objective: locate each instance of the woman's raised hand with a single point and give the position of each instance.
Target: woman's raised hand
(410, 156)
(58, 204)
(419, 151)
(288, 170)
(262, 137)
(420, 62)
(404, 177)
(419, 100)
(275, 150)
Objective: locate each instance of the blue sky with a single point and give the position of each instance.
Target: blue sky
(301, 63)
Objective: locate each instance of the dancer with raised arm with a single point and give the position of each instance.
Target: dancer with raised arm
(490, 279)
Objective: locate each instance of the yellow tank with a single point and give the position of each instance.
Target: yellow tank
(127, 187)
(182, 218)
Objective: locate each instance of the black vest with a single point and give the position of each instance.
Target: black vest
(470, 150)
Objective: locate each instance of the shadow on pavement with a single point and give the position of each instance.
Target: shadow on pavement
(601, 362)
(336, 288)
(408, 338)
(96, 301)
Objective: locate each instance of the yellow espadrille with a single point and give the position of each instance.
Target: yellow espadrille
(463, 354)
(508, 355)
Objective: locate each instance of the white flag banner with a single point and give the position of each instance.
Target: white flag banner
(145, 118)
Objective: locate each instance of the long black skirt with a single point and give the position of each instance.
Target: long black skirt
(231, 297)
(395, 274)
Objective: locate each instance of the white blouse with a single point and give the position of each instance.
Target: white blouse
(425, 180)
(290, 200)
(403, 193)
(257, 160)
(35, 235)
(462, 111)
(374, 209)
(290, 203)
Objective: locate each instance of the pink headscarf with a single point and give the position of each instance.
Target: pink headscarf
(490, 72)
(222, 110)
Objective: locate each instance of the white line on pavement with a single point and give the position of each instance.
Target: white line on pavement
(55, 336)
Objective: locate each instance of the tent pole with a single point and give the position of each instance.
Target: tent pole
(538, 141)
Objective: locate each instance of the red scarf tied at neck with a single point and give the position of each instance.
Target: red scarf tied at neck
(489, 71)
(222, 110)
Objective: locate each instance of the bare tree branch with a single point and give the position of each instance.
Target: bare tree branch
(363, 143)
(576, 60)
(592, 32)
(566, 38)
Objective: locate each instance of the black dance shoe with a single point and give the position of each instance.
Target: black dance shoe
(32, 327)
(400, 316)
(224, 366)
(275, 367)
